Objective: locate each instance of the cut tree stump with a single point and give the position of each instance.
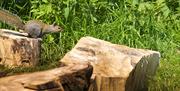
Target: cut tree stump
(116, 67)
(74, 77)
(16, 49)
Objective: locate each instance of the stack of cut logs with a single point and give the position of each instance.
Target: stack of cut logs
(92, 65)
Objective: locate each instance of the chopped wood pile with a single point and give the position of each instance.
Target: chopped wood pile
(92, 65)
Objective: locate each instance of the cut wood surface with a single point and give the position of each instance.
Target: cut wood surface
(67, 78)
(16, 49)
(116, 67)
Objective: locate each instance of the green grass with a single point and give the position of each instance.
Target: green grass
(167, 76)
(148, 24)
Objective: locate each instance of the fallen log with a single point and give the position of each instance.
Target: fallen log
(116, 67)
(75, 77)
(16, 49)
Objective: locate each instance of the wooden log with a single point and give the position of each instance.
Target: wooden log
(16, 49)
(116, 67)
(74, 77)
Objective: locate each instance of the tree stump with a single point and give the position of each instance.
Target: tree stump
(116, 67)
(16, 49)
(74, 77)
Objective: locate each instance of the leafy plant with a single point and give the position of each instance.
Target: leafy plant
(148, 24)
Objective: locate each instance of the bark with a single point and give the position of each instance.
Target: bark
(16, 49)
(116, 67)
(74, 77)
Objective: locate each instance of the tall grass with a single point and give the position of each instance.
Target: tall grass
(148, 24)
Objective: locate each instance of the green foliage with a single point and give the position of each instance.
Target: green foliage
(19, 7)
(149, 24)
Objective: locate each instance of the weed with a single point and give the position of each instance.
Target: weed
(149, 24)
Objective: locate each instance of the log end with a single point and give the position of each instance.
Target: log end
(17, 49)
